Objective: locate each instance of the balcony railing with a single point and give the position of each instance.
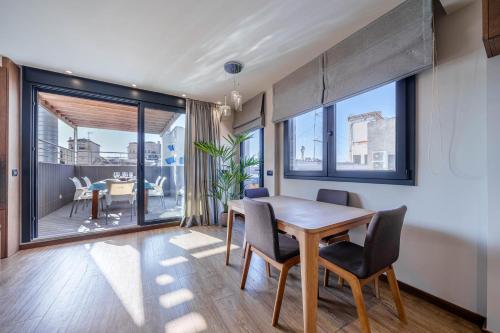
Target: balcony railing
(52, 153)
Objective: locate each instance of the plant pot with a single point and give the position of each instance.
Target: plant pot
(223, 219)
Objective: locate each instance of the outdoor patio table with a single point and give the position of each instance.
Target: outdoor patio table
(101, 186)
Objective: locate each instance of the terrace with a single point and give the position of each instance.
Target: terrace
(59, 161)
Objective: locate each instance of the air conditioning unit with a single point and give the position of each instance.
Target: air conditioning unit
(380, 160)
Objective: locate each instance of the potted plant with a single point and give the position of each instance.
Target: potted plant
(230, 173)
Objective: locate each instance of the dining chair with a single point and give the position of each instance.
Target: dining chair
(81, 194)
(258, 192)
(252, 193)
(359, 265)
(120, 191)
(264, 240)
(87, 181)
(157, 191)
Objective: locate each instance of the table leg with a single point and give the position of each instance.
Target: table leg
(309, 245)
(146, 201)
(230, 217)
(95, 204)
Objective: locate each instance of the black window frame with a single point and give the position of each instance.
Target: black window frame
(405, 145)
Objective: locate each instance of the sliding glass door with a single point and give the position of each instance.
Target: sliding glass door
(254, 147)
(163, 150)
(86, 168)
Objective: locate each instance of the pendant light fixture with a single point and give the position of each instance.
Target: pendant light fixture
(225, 109)
(235, 67)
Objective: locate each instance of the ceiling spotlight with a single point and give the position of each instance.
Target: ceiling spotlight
(134, 85)
(183, 95)
(68, 72)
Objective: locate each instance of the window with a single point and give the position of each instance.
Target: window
(365, 138)
(254, 147)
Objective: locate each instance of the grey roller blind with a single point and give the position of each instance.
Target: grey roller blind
(396, 45)
(300, 91)
(251, 117)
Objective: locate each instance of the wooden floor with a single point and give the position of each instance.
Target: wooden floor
(58, 223)
(175, 280)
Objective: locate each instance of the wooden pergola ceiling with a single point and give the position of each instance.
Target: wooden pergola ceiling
(81, 112)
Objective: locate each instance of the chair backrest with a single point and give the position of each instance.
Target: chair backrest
(160, 185)
(76, 182)
(333, 196)
(259, 192)
(261, 228)
(87, 181)
(120, 188)
(382, 240)
(158, 180)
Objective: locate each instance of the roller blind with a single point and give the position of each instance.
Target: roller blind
(251, 117)
(396, 45)
(300, 91)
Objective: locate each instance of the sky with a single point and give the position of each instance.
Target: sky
(110, 140)
(381, 99)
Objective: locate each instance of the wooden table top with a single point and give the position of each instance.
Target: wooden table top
(309, 215)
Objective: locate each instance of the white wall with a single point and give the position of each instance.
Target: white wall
(493, 101)
(444, 238)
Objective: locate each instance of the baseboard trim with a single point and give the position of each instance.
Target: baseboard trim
(468, 315)
(103, 234)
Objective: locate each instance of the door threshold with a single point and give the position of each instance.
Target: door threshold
(101, 234)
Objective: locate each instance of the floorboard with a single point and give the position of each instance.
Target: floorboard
(175, 280)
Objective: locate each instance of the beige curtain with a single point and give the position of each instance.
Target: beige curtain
(202, 124)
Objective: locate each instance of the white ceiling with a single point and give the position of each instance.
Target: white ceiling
(180, 46)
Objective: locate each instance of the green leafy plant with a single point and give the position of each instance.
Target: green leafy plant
(230, 174)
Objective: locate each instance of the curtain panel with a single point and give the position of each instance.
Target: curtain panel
(393, 47)
(252, 116)
(202, 124)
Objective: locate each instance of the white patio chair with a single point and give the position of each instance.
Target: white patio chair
(81, 194)
(157, 191)
(87, 181)
(120, 191)
(157, 182)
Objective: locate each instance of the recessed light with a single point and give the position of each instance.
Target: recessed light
(183, 95)
(134, 85)
(68, 72)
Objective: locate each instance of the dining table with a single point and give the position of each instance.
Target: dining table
(308, 221)
(101, 186)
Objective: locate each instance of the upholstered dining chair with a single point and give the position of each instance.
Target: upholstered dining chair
(264, 240)
(252, 193)
(359, 265)
(258, 192)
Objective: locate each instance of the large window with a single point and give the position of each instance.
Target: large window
(365, 138)
(254, 147)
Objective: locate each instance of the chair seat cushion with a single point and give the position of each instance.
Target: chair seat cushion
(346, 255)
(289, 247)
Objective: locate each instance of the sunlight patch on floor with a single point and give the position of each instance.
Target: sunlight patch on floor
(177, 297)
(173, 261)
(190, 323)
(214, 251)
(164, 279)
(193, 239)
(121, 266)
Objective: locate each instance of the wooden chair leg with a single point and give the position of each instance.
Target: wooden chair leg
(279, 294)
(326, 277)
(341, 282)
(393, 283)
(376, 288)
(268, 269)
(246, 266)
(360, 305)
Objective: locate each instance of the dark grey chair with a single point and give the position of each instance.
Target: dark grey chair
(264, 240)
(259, 192)
(359, 265)
(338, 198)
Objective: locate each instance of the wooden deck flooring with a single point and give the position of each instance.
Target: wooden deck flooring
(58, 223)
(174, 280)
